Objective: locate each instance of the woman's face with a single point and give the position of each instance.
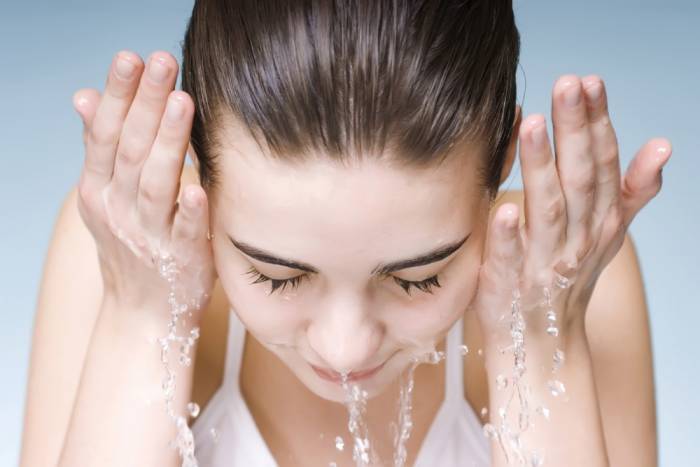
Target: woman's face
(346, 238)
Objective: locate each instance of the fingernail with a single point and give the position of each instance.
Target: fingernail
(572, 96)
(124, 68)
(175, 109)
(594, 91)
(662, 154)
(157, 70)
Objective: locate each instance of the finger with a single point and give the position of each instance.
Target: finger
(106, 125)
(191, 222)
(141, 124)
(160, 178)
(545, 206)
(504, 248)
(85, 102)
(575, 164)
(605, 149)
(643, 179)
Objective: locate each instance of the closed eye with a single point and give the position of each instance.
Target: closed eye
(276, 283)
(426, 285)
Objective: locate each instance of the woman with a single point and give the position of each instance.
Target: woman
(344, 210)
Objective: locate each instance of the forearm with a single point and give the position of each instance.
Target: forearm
(119, 417)
(573, 434)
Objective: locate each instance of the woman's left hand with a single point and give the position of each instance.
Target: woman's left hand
(578, 208)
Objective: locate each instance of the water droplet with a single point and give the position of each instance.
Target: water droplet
(551, 316)
(181, 422)
(193, 409)
(484, 411)
(463, 350)
(561, 281)
(552, 330)
(556, 387)
(558, 359)
(501, 382)
(339, 443)
(490, 431)
(214, 434)
(480, 352)
(544, 411)
(185, 360)
(434, 357)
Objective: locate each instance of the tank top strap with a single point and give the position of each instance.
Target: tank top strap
(235, 343)
(454, 363)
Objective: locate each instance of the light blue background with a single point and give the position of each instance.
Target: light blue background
(646, 51)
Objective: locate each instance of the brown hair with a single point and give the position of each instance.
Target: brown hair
(351, 77)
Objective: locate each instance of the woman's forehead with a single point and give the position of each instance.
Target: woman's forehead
(366, 210)
(371, 184)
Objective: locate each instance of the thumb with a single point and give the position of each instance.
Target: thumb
(504, 249)
(85, 102)
(500, 270)
(642, 180)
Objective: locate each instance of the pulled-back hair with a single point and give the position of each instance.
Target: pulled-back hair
(350, 78)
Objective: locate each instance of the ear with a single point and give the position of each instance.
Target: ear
(193, 156)
(512, 145)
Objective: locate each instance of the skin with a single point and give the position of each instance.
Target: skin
(578, 208)
(344, 221)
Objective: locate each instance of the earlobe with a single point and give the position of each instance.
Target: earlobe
(512, 145)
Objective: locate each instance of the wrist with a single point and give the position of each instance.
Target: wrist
(538, 347)
(149, 321)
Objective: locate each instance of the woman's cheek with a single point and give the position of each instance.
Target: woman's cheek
(433, 315)
(275, 317)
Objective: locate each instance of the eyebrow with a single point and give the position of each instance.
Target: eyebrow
(432, 256)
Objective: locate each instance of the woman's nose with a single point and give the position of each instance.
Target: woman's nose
(346, 337)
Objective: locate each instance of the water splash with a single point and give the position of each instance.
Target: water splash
(339, 443)
(356, 403)
(405, 421)
(179, 306)
(356, 400)
(509, 437)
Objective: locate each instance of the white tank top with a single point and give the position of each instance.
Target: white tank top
(226, 435)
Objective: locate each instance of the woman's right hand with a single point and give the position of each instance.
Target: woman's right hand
(135, 148)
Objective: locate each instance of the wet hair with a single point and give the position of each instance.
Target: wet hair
(404, 79)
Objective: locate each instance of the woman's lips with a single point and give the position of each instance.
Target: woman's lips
(335, 377)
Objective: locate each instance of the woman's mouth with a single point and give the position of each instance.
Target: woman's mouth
(335, 377)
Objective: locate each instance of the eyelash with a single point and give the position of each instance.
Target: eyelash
(425, 285)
